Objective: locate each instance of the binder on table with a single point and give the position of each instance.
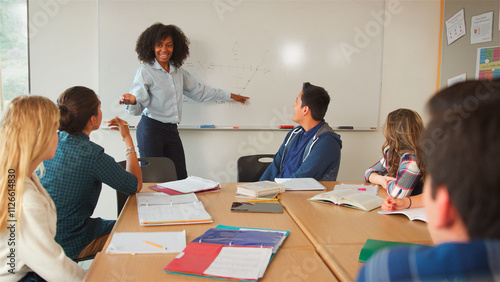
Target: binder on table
(229, 252)
(163, 209)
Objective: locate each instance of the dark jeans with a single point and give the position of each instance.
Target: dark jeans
(158, 139)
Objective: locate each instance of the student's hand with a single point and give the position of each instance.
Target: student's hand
(238, 98)
(381, 180)
(128, 99)
(392, 204)
(120, 125)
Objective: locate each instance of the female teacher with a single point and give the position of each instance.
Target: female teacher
(156, 93)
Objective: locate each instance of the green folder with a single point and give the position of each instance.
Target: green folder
(372, 246)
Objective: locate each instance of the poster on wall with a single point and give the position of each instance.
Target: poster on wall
(455, 27)
(481, 28)
(488, 63)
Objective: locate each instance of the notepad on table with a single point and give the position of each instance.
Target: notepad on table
(372, 246)
(352, 199)
(191, 184)
(412, 214)
(301, 184)
(163, 209)
(144, 242)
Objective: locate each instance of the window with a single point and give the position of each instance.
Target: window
(14, 75)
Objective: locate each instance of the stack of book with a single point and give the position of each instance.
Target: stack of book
(228, 252)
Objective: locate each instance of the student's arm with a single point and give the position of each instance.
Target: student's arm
(395, 204)
(132, 163)
(407, 178)
(324, 152)
(274, 167)
(376, 174)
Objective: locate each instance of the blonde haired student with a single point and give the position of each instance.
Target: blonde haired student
(401, 169)
(28, 251)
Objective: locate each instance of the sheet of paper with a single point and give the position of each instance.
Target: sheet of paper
(481, 28)
(372, 189)
(488, 63)
(190, 184)
(455, 27)
(301, 184)
(135, 242)
(144, 199)
(240, 263)
(457, 79)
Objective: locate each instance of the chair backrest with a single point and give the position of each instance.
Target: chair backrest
(154, 170)
(251, 168)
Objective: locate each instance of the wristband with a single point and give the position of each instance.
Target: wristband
(410, 203)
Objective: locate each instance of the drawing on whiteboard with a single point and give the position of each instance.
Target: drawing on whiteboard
(242, 74)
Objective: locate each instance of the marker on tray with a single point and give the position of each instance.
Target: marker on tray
(207, 126)
(346, 127)
(286, 126)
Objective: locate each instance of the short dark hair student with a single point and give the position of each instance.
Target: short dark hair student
(311, 149)
(157, 90)
(75, 175)
(460, 147)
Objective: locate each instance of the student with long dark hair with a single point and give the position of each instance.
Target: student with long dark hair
(75, 175)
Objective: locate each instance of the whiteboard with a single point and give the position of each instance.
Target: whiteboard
(261, 49)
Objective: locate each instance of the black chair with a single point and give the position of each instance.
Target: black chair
(154, 170)
(251, 168)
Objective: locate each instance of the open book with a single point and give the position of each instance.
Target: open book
(352, 199)
(412, 214)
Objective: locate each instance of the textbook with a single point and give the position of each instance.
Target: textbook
(259, 189)
(351, 199)
(163, 209)
(372, 246)
(412, 214)
(228, 252)
(300, 184)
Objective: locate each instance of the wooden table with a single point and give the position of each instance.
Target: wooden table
(339, 233)
(297, 260)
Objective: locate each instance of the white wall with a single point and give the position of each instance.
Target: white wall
(64, 53)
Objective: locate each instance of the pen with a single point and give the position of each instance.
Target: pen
(361, 189)
(267, 200)
(155, 245)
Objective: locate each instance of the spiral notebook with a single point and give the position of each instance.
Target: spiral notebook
(163, 209)
(147, 242)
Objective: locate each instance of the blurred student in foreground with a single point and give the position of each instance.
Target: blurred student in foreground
(461, 192)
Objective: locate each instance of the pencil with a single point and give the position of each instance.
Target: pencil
(269, 200)
(155, 245)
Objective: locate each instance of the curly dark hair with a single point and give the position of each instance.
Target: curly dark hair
(158, 32)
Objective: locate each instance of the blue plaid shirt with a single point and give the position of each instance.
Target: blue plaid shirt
(477, 260)
(74, 180)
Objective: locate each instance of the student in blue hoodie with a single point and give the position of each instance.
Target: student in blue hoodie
(311, 149)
